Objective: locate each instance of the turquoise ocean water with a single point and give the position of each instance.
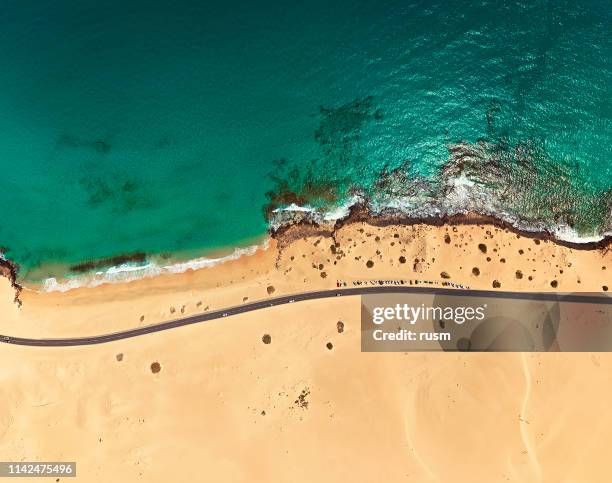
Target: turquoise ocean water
(167, 127)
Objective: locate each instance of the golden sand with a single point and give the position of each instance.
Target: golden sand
(213, 402)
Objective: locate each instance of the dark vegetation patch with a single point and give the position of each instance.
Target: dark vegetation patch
(302, 401)
(100, 146)
(138, 257)
(119, 192)
(323, 181)
(165, 142)
(340, 128)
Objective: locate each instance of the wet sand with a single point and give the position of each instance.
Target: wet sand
(285, 394)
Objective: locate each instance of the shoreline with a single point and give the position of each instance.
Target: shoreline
(93, 273)
(149, 267)
(310, 258)
(471, 189)
(359, 213)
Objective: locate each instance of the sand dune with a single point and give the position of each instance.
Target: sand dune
(213, 402)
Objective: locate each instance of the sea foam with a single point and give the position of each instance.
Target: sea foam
(130, 272)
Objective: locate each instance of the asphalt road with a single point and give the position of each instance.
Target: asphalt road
(287, 299)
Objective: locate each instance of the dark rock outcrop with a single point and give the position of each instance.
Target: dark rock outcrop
(9, 270)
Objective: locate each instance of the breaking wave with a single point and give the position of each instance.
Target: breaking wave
(520, 187)
(129, 272)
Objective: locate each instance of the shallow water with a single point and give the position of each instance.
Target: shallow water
(161, 127)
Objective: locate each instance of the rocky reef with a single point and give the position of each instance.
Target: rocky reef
(517, 186)
(9, 270)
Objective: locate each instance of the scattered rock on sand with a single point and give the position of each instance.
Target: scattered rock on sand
(604, 288)
(475, 271)
(445, 275)
(496, 284)
(155, 367)
(270, 289)
(340, 327)
(554, 284)
(402, 259)
(369, 264)
(447, 238)
(482, 247)
(519, 274)
(329, 346)
(119, 357)
(266, 339)
(142, 318)
(301, 401)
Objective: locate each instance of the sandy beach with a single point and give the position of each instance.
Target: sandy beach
(214, 402)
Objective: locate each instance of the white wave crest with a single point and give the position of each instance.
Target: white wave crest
(462, 197)
(130, 272)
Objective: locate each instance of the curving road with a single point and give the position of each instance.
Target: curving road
(287, 299)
